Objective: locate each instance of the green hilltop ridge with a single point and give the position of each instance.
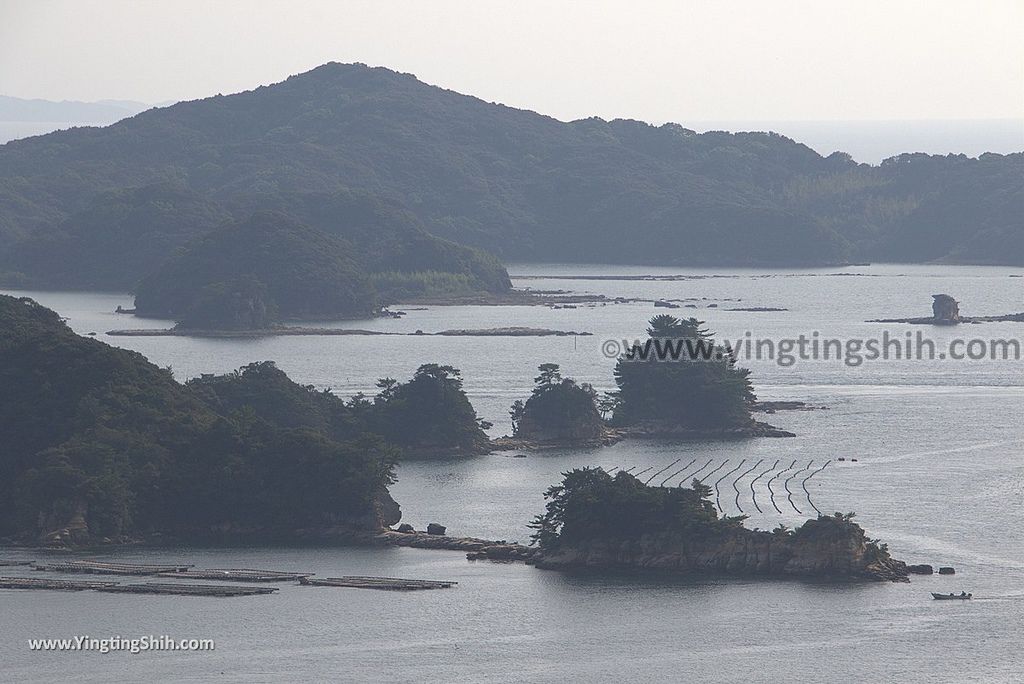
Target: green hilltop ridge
(516, 183)
(109, 446)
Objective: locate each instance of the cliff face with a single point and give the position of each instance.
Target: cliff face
(843, 553)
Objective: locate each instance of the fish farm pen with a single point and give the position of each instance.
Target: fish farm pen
(238, 575)
(185, 571)
(100, 568)
(186, 589)
(383, 583)
(52, 584)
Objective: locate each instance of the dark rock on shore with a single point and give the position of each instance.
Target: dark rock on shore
(436, 529)
(945, 570)
(922, 569)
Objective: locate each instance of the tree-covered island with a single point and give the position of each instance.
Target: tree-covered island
(558, 413)
(599, 521)
(680, 383)
(270, 267)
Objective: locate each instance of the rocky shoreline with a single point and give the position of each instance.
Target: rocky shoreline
(651, 431)
(657, 430)
(280, 331)
(931, 320)
(607, 437)
(746, 553)
(775, 406)
(753, 554)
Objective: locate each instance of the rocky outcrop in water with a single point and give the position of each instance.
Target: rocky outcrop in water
(946, 311)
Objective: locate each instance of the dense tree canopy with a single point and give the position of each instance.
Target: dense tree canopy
(514, 182)
(590, 504)
(99, 435)
(557, 409)
(681, 378)
(429, 413)
(251, 270)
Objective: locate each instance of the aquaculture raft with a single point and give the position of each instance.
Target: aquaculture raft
(186, 589)
(239, 575)
(39, 583)
(384, 583)
(100, 568)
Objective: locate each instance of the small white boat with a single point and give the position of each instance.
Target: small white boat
(951, 597)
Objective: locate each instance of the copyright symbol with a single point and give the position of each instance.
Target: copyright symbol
(611, 349)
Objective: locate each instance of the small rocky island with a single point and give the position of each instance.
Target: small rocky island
(597, 521)
(558, 413)
(946, 311)
(680, 384)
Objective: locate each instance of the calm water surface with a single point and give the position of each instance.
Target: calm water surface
(939, 476)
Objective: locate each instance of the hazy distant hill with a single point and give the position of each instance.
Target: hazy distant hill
(514, 182)
(108, 111)
(21, 118)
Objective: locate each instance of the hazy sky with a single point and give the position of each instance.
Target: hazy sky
(657, 61)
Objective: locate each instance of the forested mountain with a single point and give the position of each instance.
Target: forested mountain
(519, 184)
